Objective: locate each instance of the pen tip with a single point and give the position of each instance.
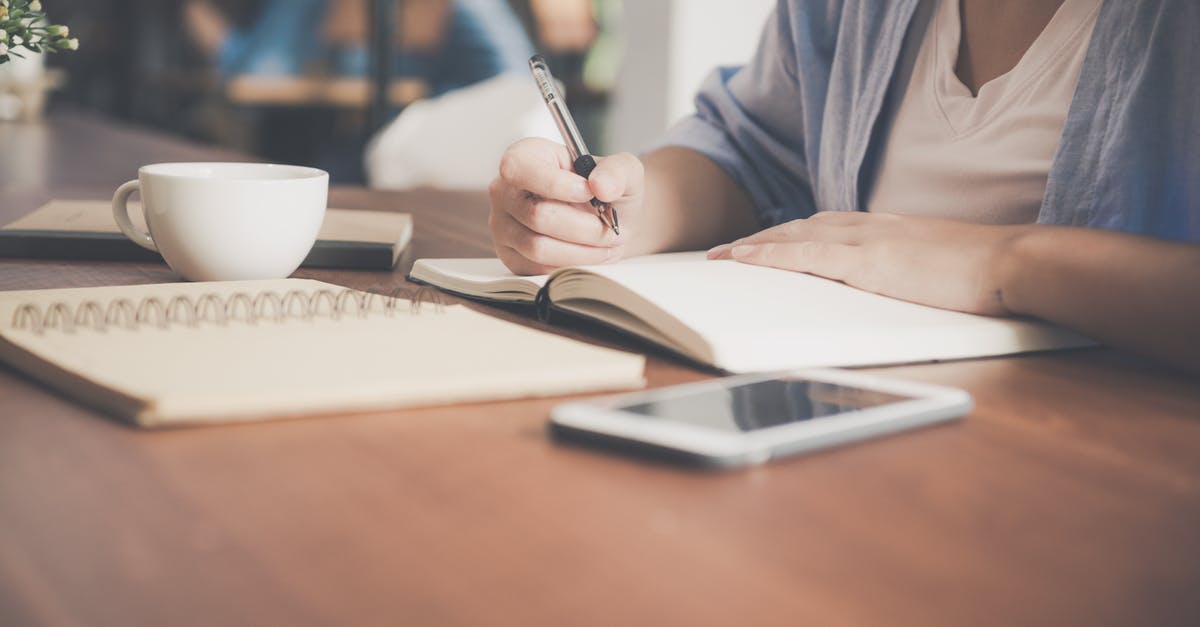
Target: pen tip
(608, 217)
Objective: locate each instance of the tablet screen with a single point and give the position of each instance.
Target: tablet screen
(762, 404)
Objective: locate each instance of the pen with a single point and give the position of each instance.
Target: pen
(581, 162)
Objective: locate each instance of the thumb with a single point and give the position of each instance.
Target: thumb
(617, 176)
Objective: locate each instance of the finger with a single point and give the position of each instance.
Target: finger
(518, 264)
(827, 259)
(548, 251)
(721, 252)
(498, 221)
(537, 166)
(826, 230)
(575, 223)
(617, 176)
(836, 230)
(841, 217)
(499, 196)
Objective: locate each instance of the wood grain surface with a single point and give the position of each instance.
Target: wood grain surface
(1071, 495)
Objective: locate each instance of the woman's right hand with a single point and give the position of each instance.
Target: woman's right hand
(541, 217)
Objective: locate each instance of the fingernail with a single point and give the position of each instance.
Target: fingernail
(581, 193)
(717, 251)
(601, 184)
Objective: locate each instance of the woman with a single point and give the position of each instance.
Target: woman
(1029, 157)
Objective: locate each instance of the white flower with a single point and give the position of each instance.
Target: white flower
(73, 44)
(35, 6)
(3, 49)
(3, 35)
(58, 30)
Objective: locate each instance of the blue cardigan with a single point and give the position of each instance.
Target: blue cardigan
(797, 125)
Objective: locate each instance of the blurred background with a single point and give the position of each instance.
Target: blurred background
(293, 80)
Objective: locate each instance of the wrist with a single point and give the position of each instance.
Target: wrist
(1015, 261)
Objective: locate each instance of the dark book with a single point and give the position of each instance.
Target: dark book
(84, 229)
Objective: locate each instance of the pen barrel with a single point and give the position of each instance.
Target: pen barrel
(566, 126)
(558, 107)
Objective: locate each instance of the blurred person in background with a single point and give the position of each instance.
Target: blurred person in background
(453, 140)
(446, 43)
(564, 31)
(564, 26)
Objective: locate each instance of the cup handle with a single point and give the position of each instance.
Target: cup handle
(120, 207)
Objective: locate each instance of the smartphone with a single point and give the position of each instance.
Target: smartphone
(750, 419)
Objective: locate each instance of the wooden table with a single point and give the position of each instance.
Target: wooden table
(1071, 495)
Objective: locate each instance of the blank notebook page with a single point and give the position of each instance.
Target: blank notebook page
(757, 318)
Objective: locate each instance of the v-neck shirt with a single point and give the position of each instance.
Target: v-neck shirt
(986, 157)
(801, 126)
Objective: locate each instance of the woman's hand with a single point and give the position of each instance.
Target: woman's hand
(1131, 291)
(541, 218)
(943, 263)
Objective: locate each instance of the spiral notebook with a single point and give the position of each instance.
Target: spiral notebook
(741, 318)
(187, 353)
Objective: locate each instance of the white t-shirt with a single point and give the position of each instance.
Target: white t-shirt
(981, 158)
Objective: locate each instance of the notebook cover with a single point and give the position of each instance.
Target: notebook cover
(283, 348)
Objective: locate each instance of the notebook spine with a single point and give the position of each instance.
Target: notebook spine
(249, 308)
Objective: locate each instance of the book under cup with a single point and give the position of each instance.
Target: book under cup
(743, 318)
(84, 229)
(195, 353)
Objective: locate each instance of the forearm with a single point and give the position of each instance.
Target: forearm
(690, 204)
(1133, 292)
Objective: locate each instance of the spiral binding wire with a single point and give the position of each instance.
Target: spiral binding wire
(210, 308)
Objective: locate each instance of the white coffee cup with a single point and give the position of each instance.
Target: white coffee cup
(227, 221)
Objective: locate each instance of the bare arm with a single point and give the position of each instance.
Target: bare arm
(1134, 292)
(691, 203)
(207, 26)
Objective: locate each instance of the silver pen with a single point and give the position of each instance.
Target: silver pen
(581, 162)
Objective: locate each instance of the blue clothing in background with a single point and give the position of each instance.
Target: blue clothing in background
(483, 39)
(797, 126)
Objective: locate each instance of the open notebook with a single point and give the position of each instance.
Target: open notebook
(208, 352)
(743, 318)
(84, 229)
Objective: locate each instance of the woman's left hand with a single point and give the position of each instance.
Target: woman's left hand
(943, 263)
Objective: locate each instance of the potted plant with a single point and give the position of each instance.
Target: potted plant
(25, 34)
